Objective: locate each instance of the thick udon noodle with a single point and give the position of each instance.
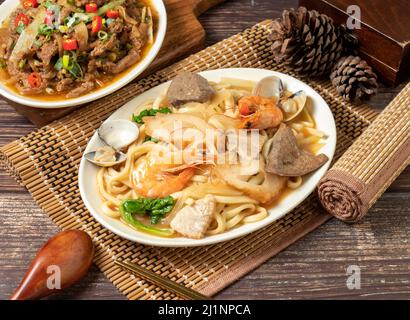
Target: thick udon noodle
(233, 207)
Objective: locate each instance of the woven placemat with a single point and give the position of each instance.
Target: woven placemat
(46, 162)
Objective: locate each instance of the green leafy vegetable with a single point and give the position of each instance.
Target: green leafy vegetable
(75, 70)
(45, 30)
(149, 113)
(152, 139)
(156, 208)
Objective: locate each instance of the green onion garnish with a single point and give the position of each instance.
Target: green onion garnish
(102, 35)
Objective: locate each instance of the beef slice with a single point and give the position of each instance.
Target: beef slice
(286, 159)
(189, 87)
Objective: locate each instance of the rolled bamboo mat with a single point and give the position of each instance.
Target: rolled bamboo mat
(46, 162)
(371, 164)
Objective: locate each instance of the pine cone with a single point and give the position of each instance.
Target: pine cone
(353, 78)
(309, 42)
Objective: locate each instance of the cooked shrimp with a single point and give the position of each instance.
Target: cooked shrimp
(259, 113)
(152, 181)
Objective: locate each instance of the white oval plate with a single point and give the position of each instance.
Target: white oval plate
(8, 6)
(325, 123)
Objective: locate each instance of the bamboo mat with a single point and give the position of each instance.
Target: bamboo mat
(359, 178)
(46, 162)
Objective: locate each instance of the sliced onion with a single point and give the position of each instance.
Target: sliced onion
(28, 36)
(81, 35)
(123, 14)
(150, 26)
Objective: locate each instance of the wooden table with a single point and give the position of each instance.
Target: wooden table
(314, 267)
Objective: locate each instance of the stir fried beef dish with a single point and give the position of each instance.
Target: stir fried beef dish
(72, 47)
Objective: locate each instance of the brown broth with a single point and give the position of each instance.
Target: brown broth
(281, 197)
(106, 80)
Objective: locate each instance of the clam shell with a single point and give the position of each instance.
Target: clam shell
(300, 99)
(119, 158)
(269, 87)
(118, 134)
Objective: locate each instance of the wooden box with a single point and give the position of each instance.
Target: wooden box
(384, 34)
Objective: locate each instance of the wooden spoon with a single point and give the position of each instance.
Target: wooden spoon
(61, 262)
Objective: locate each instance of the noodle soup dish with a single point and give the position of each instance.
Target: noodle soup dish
(207, 157)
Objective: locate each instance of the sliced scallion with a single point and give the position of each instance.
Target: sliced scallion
(66, 61)
(63, 29)
(109, 21)
(59, 64)
(102, 35)
(20, 28)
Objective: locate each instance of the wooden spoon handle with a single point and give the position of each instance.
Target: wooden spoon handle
(61, 262)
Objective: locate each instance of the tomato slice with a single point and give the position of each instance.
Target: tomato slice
(34, 80)
(70, 44)
(21, 19)
(97, 24)
(91, 7)
(112, 14)
(27, 4)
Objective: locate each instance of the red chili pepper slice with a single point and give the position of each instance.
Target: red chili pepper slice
(27, 4)
(48, 20)
(70, 44)
(34, 80)
(91, 7)
(96, 24)
(112, 14)
(21, 18)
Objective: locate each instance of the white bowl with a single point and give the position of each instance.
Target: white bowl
(325, 123)
(8, 6)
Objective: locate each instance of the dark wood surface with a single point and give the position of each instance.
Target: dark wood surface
(314, 267)
(384, 33)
